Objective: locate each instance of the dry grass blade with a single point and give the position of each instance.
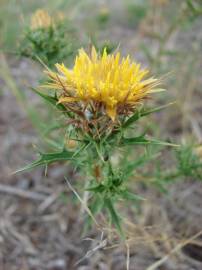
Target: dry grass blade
(102, 244)
(177, 248)
(128, 257)
(22, 193)
(82, 203)
(48, 201)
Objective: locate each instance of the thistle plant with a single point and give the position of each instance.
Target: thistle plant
(47, 38)
(101, 99)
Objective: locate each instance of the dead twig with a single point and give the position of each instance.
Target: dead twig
(22, 193)
(82, 202)
(100, 245)
(48, 201)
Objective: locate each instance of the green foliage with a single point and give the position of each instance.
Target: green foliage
(194, 8)
(189, 164)
(53, 100)
(143, 112)
(115, 219)
(113, 184)
(142, 140)
(53, 44)
(49, 158)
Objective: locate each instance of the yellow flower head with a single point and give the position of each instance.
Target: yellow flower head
(40, 19)
(116, 84)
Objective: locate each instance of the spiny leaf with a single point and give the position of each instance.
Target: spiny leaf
(140, 113)
(131, 196)
(131, 166)
(135, 140)
(53, 127)
(114, 217)
(189, 163)
(141, 140)
(96, 188)
(48, 158)
(95, 207)
(157, 142)
(52, 100)
(190, 5)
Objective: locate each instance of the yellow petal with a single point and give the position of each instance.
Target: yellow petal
(93, 54)
(111, 112)
(106, 79)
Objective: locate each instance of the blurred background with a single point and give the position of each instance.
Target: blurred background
(40, 222)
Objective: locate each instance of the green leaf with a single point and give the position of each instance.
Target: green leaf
(134, 141)
(189, 163)
(96, 188)
(95, 207)
(141, 140)
(52, 100)
(131, 196)
(53, 127)
(191, 5)
(48, 158)
(157, 142)
(113, 215)
(129, 167)
(140, 113)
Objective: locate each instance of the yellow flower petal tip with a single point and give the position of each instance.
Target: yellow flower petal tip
(116, 84)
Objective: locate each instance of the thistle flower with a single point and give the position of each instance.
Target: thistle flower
(40, 19)
(107, 83)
